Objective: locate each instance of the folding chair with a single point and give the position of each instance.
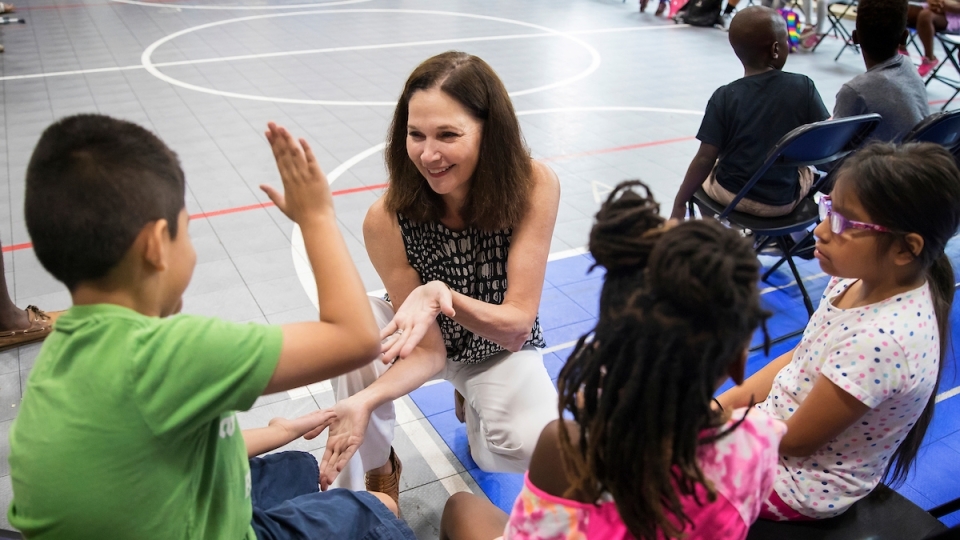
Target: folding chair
(911, 40)
(950, 43)
(812, 144)
(883, 514)
(941, 128)
(835, 18)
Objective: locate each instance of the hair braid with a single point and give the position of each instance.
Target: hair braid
(677, 307)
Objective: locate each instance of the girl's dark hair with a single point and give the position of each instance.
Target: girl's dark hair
(678, 306)
(501, 184)
(914, 188)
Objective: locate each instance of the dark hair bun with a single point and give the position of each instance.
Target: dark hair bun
(702, 266)
(626, 228)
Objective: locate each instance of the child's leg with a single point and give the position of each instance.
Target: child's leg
(468, 517)
(822, 6)
(774, 509)
(338, 513)
(927, 24)
(275, 478)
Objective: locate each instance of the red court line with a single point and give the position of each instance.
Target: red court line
(214, 213)
(16, 247)
(226, 211)
(65, 6)
(618, 149)
(94, 4)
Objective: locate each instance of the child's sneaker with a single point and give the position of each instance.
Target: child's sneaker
(661, 8)
(723, 22)
(810, 41)
(926, 66)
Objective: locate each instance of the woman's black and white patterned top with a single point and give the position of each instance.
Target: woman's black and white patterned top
(471, 262)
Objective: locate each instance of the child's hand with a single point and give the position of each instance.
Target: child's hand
(347, 429)
(298, 427)
(306, 190)
(414, 317)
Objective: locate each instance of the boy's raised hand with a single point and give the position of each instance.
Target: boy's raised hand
(306, 192)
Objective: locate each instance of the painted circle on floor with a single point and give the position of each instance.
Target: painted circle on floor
(239, 7)
(299, 252)
(146, 59)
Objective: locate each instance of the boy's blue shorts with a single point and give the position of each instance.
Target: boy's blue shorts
(288, 503)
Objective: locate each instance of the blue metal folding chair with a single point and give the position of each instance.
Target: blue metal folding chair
(812, 144)
(941, 128)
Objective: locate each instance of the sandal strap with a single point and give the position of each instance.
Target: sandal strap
(38, 314)
(388, 484)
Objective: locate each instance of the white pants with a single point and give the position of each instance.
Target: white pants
(509, 399)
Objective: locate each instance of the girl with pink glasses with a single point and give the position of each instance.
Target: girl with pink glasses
(857, 393)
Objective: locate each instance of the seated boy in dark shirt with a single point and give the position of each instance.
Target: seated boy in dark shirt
(746, 118)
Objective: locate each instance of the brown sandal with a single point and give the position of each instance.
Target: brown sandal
(388, 484)
(41, 324)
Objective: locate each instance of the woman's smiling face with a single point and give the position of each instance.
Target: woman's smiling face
(443, 141)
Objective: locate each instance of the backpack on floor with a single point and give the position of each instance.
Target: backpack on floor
(700, 12)
(793, 27)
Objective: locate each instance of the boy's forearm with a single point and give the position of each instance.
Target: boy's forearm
(265, 439)
(697, 173)
(340, 291)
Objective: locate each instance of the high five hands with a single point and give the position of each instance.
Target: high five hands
(306, 192)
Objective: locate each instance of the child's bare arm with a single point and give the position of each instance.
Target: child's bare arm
(697, 173)
(757, 387)
(280, 431)
(825, 413)
(950, 6)
(546, 465)
(346, 336)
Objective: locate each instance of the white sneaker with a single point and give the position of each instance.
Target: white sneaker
(724, 23)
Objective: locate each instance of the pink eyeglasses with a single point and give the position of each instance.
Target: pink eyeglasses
(838, 223)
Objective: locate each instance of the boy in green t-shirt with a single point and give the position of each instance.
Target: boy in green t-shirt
(127, 426)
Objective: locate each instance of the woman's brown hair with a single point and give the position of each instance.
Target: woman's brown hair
(501, 183)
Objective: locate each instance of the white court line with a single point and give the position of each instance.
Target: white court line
(319, 51)
(431, 452)
(245, 8)
(147, 57)
(948, 394)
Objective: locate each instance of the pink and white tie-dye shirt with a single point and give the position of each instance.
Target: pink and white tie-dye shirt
(741, 466)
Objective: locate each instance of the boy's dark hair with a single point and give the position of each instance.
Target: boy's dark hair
(914, 188)
(93, 182)
(676, 309)
(501, 183)
(880, 27)
(752, 32)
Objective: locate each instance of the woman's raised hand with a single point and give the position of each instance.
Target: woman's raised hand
(306, 192)
(414, 318)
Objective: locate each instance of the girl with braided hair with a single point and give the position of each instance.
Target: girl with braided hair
(648, 454)
(857, 393)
